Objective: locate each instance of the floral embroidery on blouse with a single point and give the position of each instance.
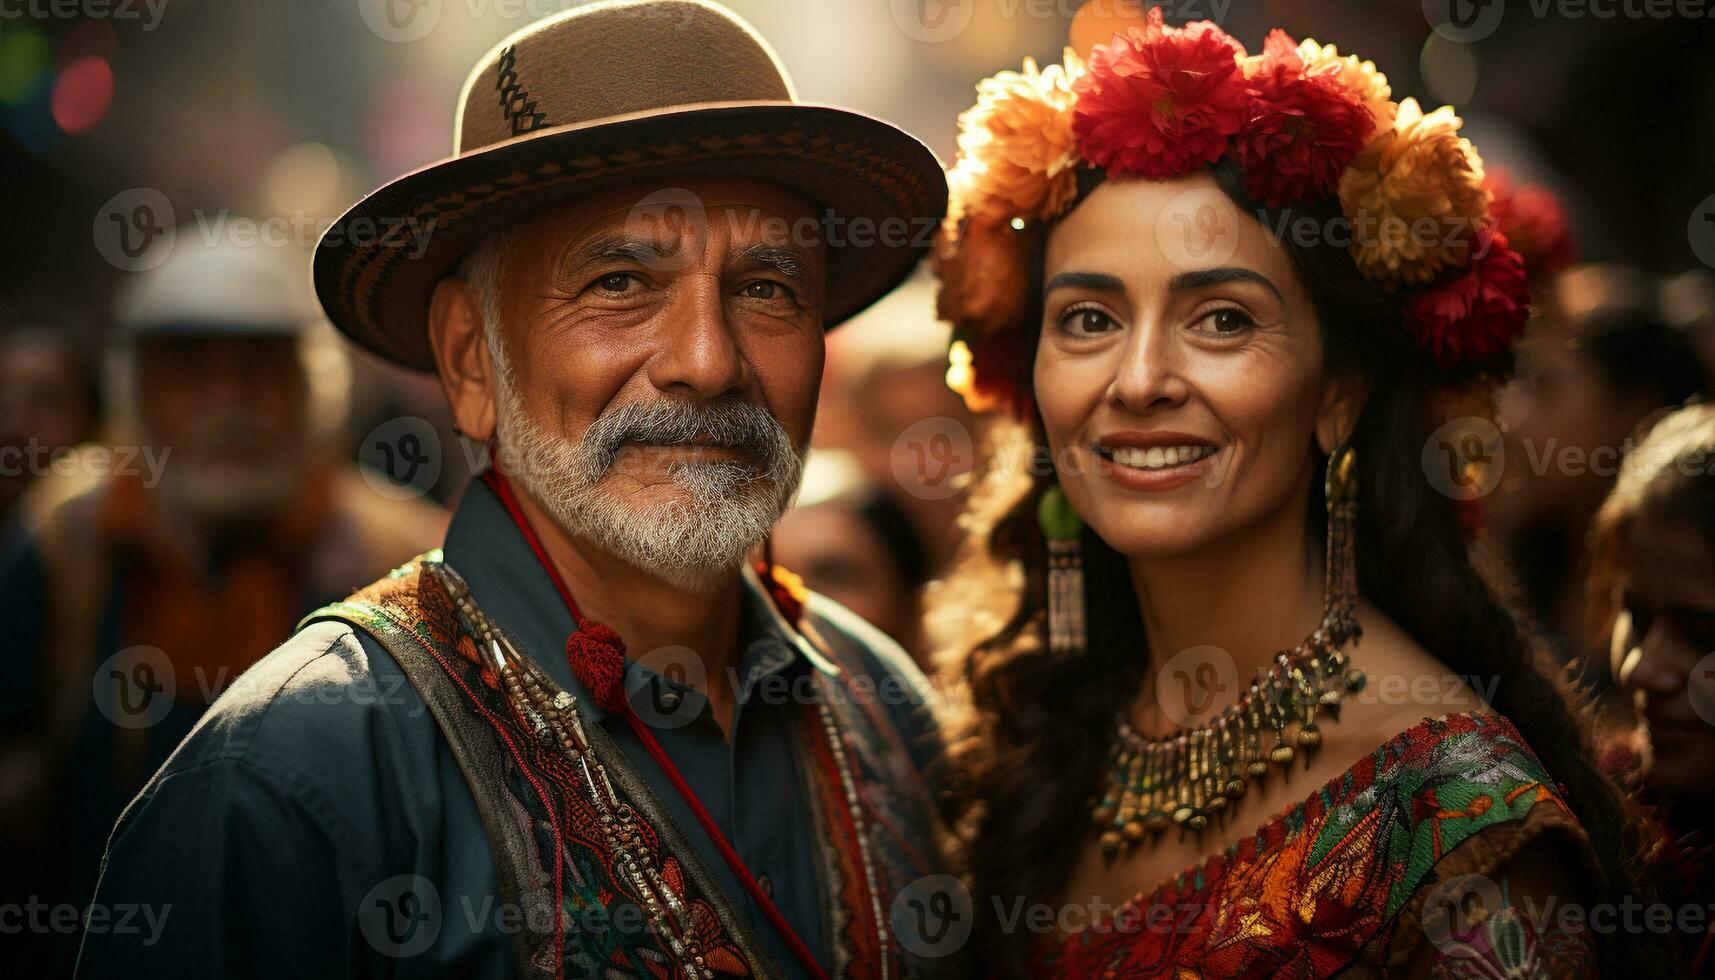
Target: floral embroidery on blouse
(1315, 884)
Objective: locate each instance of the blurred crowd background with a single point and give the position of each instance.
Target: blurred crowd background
(179, 433)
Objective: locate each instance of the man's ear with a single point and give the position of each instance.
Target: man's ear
(1342, 402)
(461, 356)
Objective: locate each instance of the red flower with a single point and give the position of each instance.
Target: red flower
(1533, 221)
(1302, 130)
(1473, 319)
(1160, 101)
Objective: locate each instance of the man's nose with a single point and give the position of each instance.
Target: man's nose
(698, 353)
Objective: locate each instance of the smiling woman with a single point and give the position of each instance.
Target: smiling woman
(1215, 490)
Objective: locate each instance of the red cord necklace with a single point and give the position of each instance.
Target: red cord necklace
(597, 658)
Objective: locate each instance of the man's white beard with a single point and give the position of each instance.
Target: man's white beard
(724, 508)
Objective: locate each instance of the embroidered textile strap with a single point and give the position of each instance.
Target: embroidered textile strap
(516, 791)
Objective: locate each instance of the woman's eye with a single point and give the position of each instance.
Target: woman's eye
(1229, 320)
(1085, 321)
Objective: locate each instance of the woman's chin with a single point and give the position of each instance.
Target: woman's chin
(1153, 531)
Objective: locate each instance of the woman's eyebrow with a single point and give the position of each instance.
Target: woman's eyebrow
(1204, 278)
(1099, 282)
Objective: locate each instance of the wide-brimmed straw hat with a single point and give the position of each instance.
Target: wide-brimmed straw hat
(632, 90)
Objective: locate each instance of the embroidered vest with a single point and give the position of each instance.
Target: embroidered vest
(550, 811)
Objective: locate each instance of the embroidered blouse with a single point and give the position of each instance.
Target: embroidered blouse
(1339, 881)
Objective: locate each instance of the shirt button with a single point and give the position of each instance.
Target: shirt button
(670, 700)
(767, 885)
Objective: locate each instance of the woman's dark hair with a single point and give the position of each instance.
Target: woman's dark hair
(1029, 746)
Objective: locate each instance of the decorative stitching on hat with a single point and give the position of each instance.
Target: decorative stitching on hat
(515, 102)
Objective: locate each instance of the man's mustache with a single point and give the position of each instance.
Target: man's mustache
(729, 423)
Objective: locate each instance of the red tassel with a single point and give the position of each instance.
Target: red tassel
(597, 656)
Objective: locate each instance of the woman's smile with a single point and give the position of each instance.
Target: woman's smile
(1153, 461)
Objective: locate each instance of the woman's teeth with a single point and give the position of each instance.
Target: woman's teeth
(1158, 457)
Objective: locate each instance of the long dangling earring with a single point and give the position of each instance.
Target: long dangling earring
(1340, 594)
(1062, 527)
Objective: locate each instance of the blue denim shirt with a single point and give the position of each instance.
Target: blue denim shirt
(320, 785)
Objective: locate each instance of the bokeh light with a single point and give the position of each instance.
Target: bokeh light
(1449, 70)
(82, 94)
(304, 178)
(24, 57)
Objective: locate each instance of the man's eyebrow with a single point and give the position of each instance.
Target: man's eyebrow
(1203, 278)
(616, 248)
(793, 263)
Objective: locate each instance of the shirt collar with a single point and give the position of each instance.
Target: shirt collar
(510, 586)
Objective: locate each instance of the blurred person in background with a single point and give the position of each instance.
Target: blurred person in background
(850, 541)
(154, 573)
(883, 401)
(50, 395)
(1653, 590)
(1598, 359)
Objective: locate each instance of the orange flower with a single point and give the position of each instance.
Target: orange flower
(1369, 84)
(1018, 156)
(1415, 198)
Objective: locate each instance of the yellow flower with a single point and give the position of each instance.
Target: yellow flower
(1361, 77)
(1415, 198)
(1018, 155)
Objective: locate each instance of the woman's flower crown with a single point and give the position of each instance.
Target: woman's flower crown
(1302, 122)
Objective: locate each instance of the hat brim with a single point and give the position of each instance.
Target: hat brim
(376, 267)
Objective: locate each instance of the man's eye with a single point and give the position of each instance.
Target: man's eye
(763, 289)
(617, 282)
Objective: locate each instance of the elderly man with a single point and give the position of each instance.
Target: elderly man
(587, 737)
